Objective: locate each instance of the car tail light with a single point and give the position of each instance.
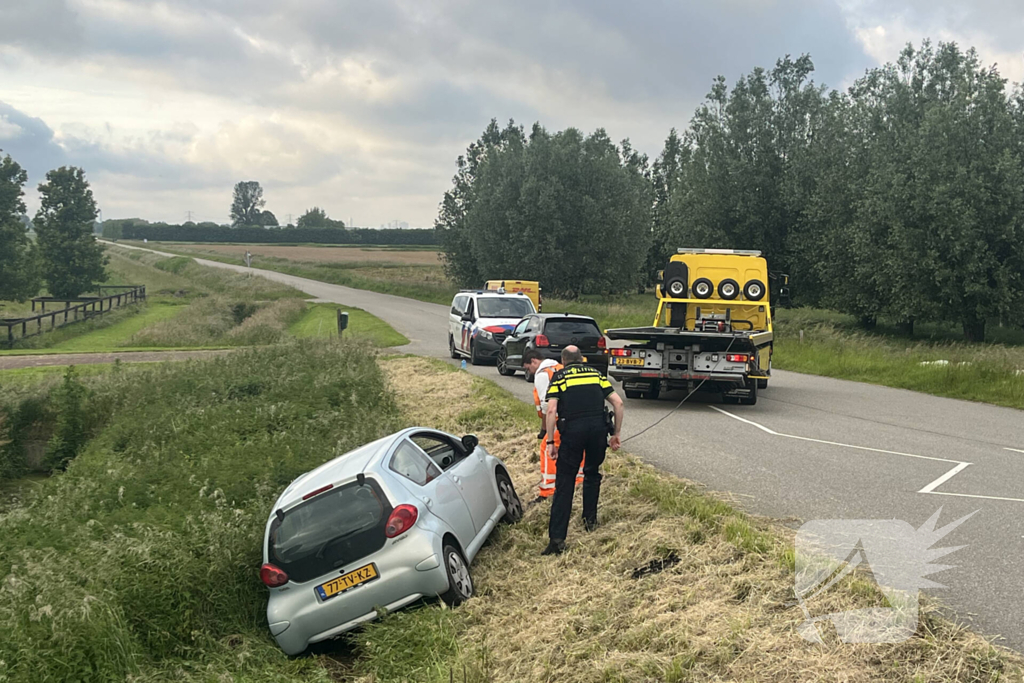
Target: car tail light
(737, 357)
(272, 576)
(541, 340)
(401, 520)
(721, 327)
(622, 352)
(495, 329)
(601, 343)
(318, 491)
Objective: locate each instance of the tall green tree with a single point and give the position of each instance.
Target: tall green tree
(570, 210)
(934, 181)
(317, 218)
(72, 261)
(247, 204)
(18, 273)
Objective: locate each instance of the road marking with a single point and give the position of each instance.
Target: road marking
(971, 495)
(944, 478)
(833, 443)
(1015, 450)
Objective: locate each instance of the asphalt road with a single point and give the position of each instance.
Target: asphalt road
(815, 448)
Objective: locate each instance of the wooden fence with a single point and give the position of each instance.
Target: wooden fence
(84, 308)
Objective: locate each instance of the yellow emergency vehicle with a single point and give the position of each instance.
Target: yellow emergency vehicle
(530, 288)
(713, 329)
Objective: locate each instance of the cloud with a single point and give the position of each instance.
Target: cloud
(364, 106)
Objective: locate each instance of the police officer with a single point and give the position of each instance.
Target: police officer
(577, 395)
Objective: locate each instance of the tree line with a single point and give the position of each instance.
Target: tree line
(65, 256)
(902, 197)
(134, 229)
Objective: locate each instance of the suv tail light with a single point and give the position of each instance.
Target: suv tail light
(318, 491)
(541, 340)
(601, 343)
(272, 576)
(401, 520)
(737, 357)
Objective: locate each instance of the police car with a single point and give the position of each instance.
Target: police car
(480, 320)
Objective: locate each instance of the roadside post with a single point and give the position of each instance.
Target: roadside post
(342, 321)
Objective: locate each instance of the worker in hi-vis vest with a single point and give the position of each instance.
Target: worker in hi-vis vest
(542, 370)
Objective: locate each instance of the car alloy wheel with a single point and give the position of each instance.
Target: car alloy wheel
(460, 582)
(510, 499)
(503, 368)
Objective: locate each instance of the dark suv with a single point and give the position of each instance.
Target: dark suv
(549, 333)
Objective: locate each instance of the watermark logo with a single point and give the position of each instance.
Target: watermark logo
(887, 552)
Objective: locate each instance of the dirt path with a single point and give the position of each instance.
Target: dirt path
(15, 362)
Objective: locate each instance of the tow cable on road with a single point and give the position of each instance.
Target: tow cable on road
(677, 406)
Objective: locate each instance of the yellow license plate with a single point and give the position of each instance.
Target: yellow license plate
(629, 361)
(345, 582)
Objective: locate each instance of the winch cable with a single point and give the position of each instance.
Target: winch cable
(678, 405)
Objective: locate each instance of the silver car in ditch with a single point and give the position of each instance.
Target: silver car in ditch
(379, 528)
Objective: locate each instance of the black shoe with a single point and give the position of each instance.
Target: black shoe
(590, 524)
(554, 548)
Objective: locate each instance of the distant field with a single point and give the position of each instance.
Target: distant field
(321, 254)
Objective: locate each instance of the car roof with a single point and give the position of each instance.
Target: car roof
(344, 467)
(489, 293)
(549, 316)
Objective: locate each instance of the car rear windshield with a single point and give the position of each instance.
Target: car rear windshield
(578, 331)
(504, 307)
(329, 531)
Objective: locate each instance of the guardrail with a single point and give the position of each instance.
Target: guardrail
(85, 307)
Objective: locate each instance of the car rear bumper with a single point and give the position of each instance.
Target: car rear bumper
(409, 570)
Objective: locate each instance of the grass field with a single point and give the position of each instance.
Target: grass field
(313, 254)
(139, 562)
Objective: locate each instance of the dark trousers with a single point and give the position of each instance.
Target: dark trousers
(588, 436)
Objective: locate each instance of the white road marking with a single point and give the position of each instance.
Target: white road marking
(971, 495)
(944, 478)
(833, 443)
(1015, 450)
(929, 489)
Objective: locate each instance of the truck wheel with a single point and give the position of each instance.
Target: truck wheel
(503, 368)
(762, 384)
(728, 289)
(750, 399)
(633, 393)
(654, 392)
(754, 290)
(451, 347)
(703, 288)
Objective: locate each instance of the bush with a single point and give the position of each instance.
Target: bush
(141, 559)
(71, 430)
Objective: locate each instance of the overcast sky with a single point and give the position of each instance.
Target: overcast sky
(362, 107)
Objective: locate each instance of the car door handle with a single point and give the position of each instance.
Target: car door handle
(456, 479)
(427, 501)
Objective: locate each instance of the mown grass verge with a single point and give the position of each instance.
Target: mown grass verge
(140, 561)
(722, 613)
(320, 321)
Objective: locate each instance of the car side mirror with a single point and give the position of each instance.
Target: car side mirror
(470, 442)
(467, 317)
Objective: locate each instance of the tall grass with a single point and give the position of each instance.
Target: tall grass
(140, 561)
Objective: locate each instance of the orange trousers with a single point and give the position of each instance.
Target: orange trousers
(548, 468)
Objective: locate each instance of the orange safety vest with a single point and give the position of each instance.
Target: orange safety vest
(548, 466)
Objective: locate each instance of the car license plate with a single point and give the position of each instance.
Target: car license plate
(629, 361)
(345, 582)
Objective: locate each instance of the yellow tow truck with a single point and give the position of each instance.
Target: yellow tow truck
(713, 329)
